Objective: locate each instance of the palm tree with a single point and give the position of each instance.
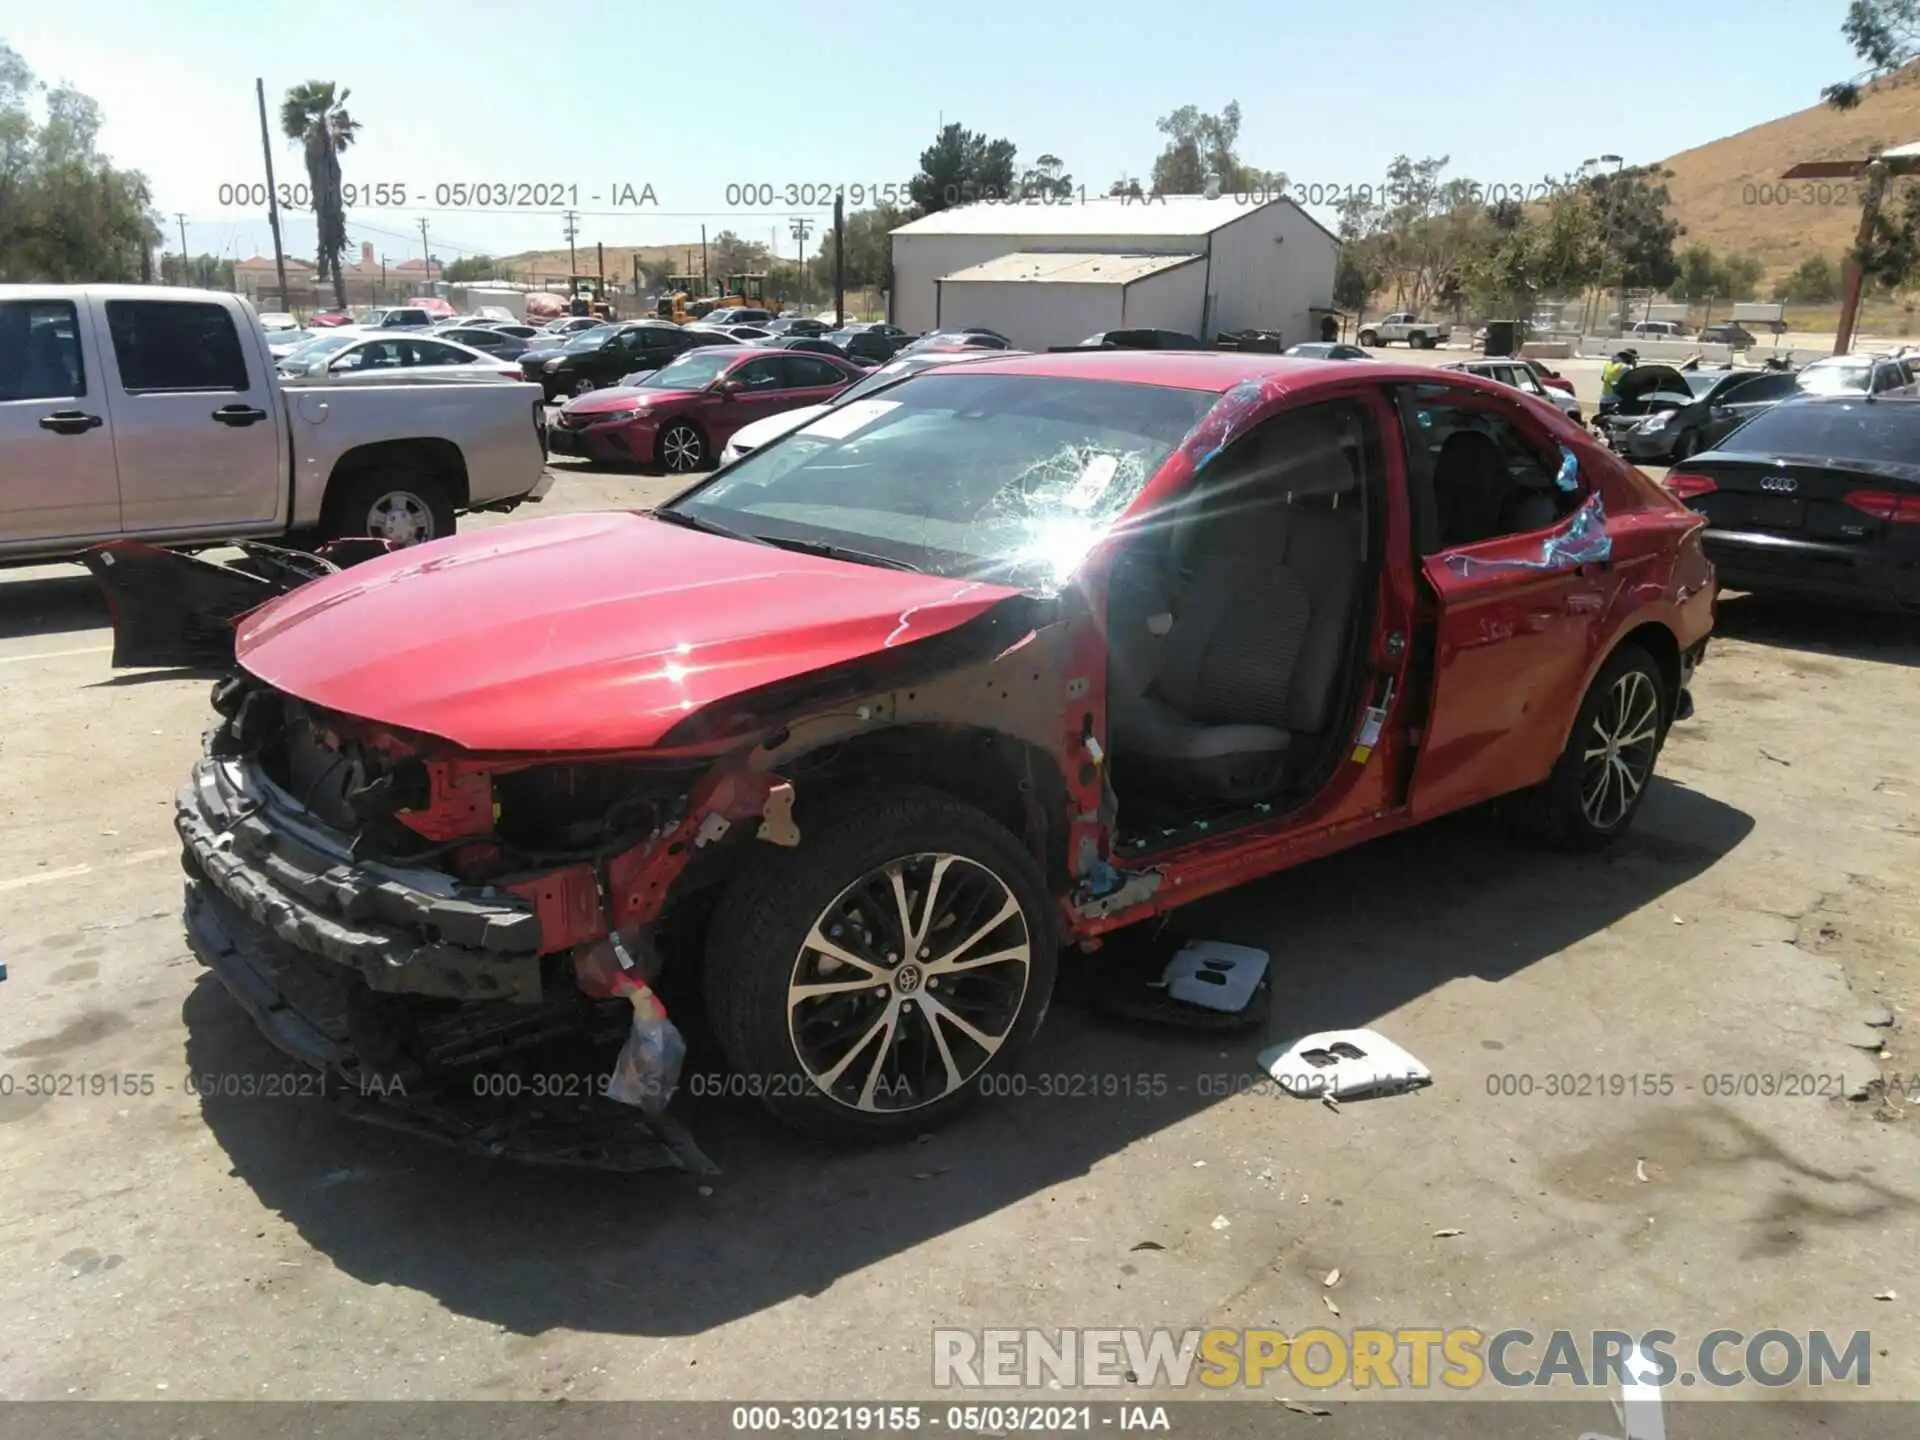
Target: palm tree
(313, 115)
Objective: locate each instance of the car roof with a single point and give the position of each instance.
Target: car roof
(1217, 371)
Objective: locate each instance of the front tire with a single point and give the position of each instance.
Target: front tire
(1370, 339)
(869, 982)
(1601, 778)
(681, 448)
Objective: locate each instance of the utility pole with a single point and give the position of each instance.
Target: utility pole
(183, 246)
(573, 261)
(800, 228)
(426, 254)
(839, 261)
(273, 203)
(600, 263)
(706, 282)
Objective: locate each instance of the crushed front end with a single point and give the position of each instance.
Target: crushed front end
(444, 938)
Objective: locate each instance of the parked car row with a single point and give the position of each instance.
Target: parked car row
(1663, 414)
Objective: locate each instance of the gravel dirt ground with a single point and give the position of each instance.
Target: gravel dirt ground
(164, 1245)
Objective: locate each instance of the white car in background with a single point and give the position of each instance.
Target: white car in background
(272, 320)
(348, 356)
(749, 438)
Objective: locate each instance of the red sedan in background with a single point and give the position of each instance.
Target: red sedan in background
(682, 415)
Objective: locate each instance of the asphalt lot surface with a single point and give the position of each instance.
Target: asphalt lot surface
(168, 1245)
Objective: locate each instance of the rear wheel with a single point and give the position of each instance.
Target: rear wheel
(1601, 778)
(1416, 341)
(870, 981)
(406, 506)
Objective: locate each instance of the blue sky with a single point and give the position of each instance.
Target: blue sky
(796, 93)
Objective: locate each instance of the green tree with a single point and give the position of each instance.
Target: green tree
(1701, 276)
(1199, 145)
(961, 167)
(208, 272)
(469, 268)
(1046, 179)
(67, 214)
(1530, 252)
(729, 254)
(869, 243)
(1815, 281)
(316, 118)
(1885, 35)
(1741, 276)
(1631, 207)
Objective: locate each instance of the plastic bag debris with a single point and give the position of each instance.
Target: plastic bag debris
(1584, 542)
(1215, 975)
(1568, 475)
(1342, 1064)
(648, 1070)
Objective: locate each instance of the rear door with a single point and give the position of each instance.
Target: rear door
(197, 429)
(58, 478)
(1513, 609)
(1740, 402)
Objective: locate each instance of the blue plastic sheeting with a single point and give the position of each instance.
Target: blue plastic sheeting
(1568, 478)
(1584, 542)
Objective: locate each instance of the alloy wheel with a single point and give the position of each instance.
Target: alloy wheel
(581, 387)
(402, 517)
(681, 448)
(1620, 751)
(908, 983)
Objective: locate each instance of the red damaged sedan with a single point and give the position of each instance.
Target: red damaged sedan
(852, 737)
(681, 416)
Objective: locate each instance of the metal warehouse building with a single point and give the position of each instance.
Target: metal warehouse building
(1054, 274)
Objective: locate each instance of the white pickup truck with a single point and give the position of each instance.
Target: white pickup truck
(151, 413)
(1406, 326)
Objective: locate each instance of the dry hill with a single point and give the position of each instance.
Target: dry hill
(655, 261)
(1730, 196)
(1727, 193)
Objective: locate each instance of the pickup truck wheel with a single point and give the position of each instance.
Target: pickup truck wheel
(405, 506)
(1601, 778)
(1416, 341)
(874, 979)
(681, 448)
(1370, 339)
(582, 386)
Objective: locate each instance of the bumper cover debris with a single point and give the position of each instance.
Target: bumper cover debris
(170, 608)
(305, 1009)
(415, 932)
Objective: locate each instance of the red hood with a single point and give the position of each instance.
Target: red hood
(598, 402)
(582, 632)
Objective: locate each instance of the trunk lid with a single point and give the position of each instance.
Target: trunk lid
(1797, 495)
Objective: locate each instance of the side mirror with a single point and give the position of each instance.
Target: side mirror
(728, 387)
(319, 367)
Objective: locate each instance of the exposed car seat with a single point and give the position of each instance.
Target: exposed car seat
(1228, 626)
(1470, 484)
(1477, 496)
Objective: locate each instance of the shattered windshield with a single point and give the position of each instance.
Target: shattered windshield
(1010, 477)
